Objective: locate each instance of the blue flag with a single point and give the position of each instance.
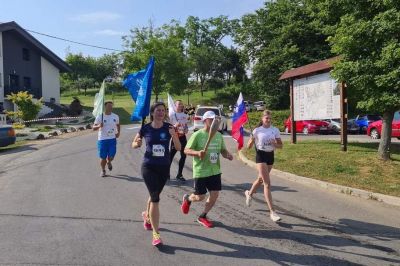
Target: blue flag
(139, 85)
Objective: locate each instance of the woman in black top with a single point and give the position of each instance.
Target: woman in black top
(156, 163)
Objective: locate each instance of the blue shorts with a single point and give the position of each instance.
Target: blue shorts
(107, 148)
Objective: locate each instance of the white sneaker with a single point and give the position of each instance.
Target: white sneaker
(274, 217)
(248, 198)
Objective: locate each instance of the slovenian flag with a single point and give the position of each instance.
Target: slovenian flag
(238, 120)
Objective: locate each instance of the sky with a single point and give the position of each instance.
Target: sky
(104, 22)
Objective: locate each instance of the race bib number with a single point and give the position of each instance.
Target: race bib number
(158, 150)
(213, 157)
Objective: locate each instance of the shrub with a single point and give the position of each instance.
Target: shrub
(27, 109)
(75, 108)
(278, 119)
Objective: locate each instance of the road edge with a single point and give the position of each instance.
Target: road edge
(364, 194)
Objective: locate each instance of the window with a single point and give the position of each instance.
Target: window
(25, 54)
(396, 116)
(27, 83)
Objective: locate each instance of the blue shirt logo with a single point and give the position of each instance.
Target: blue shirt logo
(163, 135)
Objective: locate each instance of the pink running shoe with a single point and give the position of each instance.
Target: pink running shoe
(156, 240)
(146, 222)
(205, 222)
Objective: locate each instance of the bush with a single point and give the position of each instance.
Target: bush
(75, 108)
(27, 109)
(278, 119)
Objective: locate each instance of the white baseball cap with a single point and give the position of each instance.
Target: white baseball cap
(208, 114)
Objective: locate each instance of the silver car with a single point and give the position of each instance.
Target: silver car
(198, 123)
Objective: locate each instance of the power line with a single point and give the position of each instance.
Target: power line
(84, 44)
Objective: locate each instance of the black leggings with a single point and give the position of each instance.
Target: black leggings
(182, 160)
(155, 177)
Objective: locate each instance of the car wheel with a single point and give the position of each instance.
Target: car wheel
(305, 130)
(335, 129)
(375, 134)
(287, 130)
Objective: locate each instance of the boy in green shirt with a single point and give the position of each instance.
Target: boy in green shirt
(206, 168)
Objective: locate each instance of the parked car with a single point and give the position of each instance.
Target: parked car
(352, 127)
(7, 136)
(374, 129)
(198, 123)
(307, 126)
(334, 125)
(364, 120)
(260, 105)
(249, 106)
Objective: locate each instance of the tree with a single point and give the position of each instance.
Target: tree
(280, 36)
(368, 40)
(204, 45)
(166, 45)
(27, 109)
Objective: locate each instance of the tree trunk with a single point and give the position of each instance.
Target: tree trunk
(156, 97)
(386, 136)
(202, 80)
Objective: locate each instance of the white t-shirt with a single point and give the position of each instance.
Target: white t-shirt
(182, 119)
(109, 128)
(264, 137)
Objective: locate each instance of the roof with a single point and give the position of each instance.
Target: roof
(310, 69)
(45, 52)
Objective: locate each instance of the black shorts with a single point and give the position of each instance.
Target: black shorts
(265, 157)
(155, 177)
(210, 183)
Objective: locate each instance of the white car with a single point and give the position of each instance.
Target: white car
(249, 106)
(198, 123)
(260, 105)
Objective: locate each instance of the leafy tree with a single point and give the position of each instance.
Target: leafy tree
(165, 43)
(204, 45)
(280, 36)
(367, 38)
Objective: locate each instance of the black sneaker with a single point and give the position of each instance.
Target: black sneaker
(180, 178)
(109, 165)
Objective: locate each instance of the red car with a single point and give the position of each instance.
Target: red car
(374, 129)
(307, 126)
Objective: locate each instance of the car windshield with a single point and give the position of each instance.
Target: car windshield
(201, 111)
(336, 120)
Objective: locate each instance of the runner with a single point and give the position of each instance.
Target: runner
(156, 163)
(179, 119)
(206, 168)
(267, 138)
(109, 130)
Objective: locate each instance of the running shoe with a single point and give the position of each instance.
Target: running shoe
(180, 178)
(146, 222)
(274, 217)
(156, 240)
(103, 173)
(185, 204)
(248, 198)
(205, 222)
(109, 166)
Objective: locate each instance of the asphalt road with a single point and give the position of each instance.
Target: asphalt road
(56, 210)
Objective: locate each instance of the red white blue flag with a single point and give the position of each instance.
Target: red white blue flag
(238, 120)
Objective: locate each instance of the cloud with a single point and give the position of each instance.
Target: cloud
(109, 32)
(95, 17)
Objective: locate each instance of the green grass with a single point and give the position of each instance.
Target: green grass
(123, 104)
(358, 168)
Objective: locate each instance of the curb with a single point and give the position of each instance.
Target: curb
(364, 194)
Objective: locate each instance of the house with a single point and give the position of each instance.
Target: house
(27, 65)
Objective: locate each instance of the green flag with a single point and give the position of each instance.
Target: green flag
(98, 106)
